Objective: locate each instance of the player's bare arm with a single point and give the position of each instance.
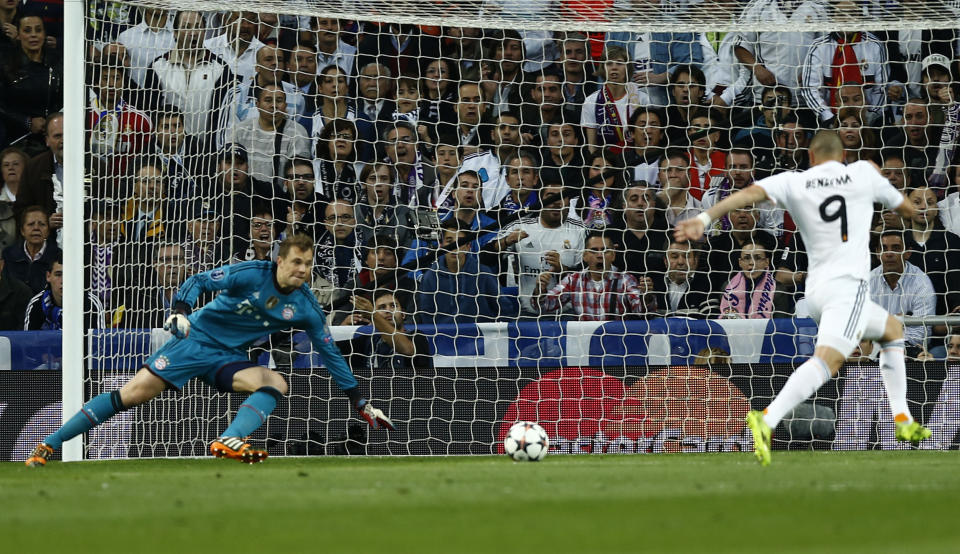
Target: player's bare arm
(693, 228)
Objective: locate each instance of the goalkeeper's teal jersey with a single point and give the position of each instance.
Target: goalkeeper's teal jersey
(250, 306)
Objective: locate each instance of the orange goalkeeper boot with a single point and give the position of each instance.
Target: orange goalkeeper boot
(38, 458)
(235, 449)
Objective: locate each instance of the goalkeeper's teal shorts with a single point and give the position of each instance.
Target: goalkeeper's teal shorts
(180, 360)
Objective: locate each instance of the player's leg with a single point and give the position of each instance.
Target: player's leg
(144, 386)
(267, 388)
(893, 370)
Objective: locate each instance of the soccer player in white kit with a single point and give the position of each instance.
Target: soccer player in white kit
(832, 206)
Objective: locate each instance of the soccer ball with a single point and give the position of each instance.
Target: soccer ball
(526, 441)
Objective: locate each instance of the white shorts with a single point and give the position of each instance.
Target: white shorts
(845, 315)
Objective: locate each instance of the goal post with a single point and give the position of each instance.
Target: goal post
(193, 155)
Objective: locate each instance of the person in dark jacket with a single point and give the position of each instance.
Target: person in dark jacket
(31, 85)
(456, 288)
(14, 296)
(682, 290)
(30, 258)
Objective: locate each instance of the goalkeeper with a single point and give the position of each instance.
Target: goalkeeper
(256, 298)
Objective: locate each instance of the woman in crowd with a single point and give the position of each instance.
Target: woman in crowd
(439, 91)
(378, 212)
(859, 142)
(333, 166)
(31, 85)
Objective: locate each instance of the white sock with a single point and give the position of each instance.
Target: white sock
(805, 381)
(894, 373)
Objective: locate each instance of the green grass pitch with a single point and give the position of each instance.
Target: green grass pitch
(804, 502)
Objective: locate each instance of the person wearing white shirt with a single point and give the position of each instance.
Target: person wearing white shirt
(902, 288)
(950, 212)
(238, 45)
(330, 49)
(675, 188)
(272, 138)
(607, 113)
(147, 41)
(242, 101)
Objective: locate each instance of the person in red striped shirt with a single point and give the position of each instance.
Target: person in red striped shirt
(598, 292)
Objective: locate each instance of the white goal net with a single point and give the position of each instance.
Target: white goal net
(500, 178)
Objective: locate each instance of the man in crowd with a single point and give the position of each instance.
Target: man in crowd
(271, 138)
(29, 259)
(682, 290)
(390, 346)
(238, 44)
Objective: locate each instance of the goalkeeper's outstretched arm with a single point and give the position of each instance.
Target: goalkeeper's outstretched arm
(693, 228)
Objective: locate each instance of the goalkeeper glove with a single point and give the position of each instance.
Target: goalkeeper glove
(178, 325)
(374, 416)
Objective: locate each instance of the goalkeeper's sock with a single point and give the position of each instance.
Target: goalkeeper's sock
(99, 409)
(805, 381)
(893, 369)
(253, 412)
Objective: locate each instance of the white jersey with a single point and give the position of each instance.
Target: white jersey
(832, 206)
(567, 240)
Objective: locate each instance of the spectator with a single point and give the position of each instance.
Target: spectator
(523, 180)
(552, 241)
(378, 211)
(577, 71)
(507, 50)
(44, 174)
(331, 49)
(791, 143)
(338, 247)
(14, 296)
(117, 129)
(300, 63)
(934, 250)
(751, 292)
(333, 164)
(243, 101)
(103, 257)
(725, 246)
(303, 207)
(232, 183)
(182, 157)
(894, 170)
(402, 48)
(8, 23)
(148, 303)
(411, 170)
(836, 59)
(607, 113)
(375, 102)
(261, 240)
(29, 259)
(773, 110)
(191, 78)
(411, 108)
(599, 292)
(707, 162)
(915, 137)
(643, 234)
(774, 56)
(448, 159)
(649, 141)
(45, 310)
(901, 288)
(687, 92)
(675, 188)
(12, 165)
(682, 290)
(456, 288)
(147, 41)
(271, 138)
(148, 215)
(31, 85)
(466, 208)
(379, 272)
(791, 271)
(851, 95)
(564, 152)
(204, 246)
(949, 209)
(472, 107)
(546, 106)
(390, 346)
(238, 45)
(668, 51)
(506, 137)
(739, 175)
(439, 91)
(858, 141)
(602, 193)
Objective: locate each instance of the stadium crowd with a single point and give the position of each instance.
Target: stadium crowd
(555, 163)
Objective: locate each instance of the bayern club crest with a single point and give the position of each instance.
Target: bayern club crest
(287, 312)
(161, 363)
